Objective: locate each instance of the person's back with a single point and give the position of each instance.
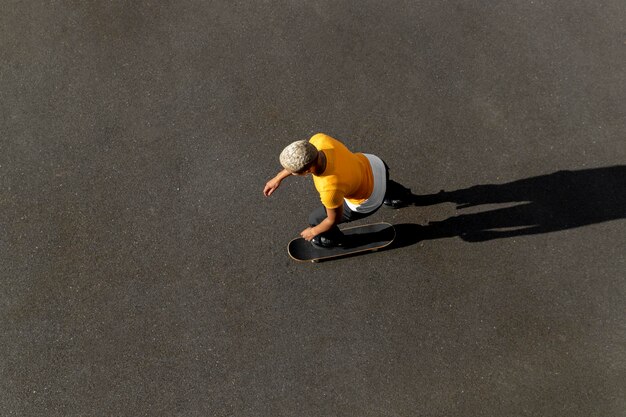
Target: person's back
(347, 175)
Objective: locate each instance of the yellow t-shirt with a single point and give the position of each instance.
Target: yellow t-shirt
(347, 175)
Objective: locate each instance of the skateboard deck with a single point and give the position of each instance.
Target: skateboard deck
(363, 238)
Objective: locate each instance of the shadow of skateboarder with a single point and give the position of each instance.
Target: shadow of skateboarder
(543, 204)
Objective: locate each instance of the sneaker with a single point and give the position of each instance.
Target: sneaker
(397, 195)
(398, 201)
(325, 243)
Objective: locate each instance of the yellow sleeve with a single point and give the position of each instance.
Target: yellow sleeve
(332, 199)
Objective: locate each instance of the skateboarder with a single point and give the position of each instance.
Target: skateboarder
(351, 185)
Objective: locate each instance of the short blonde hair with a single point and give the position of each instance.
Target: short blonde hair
(298, 156)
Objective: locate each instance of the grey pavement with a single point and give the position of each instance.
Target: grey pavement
(143, 273)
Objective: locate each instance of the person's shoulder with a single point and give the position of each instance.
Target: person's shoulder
(321, 138)
(317, 138)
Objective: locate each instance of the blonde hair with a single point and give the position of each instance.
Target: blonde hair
(298, 156)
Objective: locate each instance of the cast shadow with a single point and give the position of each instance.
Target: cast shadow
(548, 203)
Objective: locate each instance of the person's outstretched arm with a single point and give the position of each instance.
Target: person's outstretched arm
(274, 183)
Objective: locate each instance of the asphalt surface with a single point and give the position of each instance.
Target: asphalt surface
(143, 273)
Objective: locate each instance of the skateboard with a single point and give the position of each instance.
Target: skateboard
(363, 238)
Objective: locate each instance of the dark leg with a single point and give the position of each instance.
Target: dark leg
(319, 214)
(396, 195)
(334, 235)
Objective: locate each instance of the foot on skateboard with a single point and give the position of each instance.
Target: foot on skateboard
(364, 238)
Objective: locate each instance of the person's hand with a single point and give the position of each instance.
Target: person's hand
(271, 186)
(308, 233)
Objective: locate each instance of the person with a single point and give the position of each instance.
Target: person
(351, 185)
